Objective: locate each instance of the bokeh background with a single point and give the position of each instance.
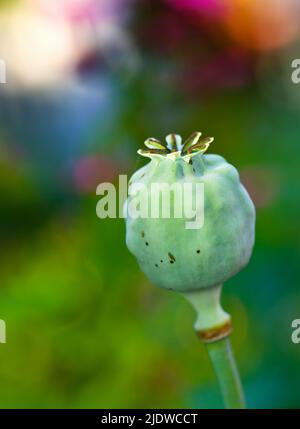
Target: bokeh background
(87, 82)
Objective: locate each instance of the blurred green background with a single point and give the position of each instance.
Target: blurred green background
(87, 82)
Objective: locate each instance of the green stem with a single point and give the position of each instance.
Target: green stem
(223, 362)
(213, 326)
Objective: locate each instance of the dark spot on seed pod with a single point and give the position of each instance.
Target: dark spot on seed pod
(143, 234)
(198, 251)
(194, 170)
(156, 265)
(172, 257)
(147, 244)
(171, 262)
(161, 261)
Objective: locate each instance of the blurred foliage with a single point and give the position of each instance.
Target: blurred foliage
(84, 326)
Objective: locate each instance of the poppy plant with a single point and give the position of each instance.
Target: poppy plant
(196, 262)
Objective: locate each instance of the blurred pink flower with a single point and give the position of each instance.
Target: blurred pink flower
(262, 183)
(207, 7)
(92, 170)
(229, 69)
(80, 10)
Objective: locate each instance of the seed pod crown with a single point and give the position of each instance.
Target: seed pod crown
(182, 259)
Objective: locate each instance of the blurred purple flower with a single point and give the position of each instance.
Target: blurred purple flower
(232, 68)
(208, 7)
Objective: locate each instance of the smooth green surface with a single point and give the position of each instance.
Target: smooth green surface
(207, 303)
(205, 256)
(223, 362)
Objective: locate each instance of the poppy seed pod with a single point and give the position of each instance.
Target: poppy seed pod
(193, 254)
(173, 256)
(194, 261)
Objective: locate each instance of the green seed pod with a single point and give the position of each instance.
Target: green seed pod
(173, 256)
(187, 255)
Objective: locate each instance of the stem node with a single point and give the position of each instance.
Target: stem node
(213, 326)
